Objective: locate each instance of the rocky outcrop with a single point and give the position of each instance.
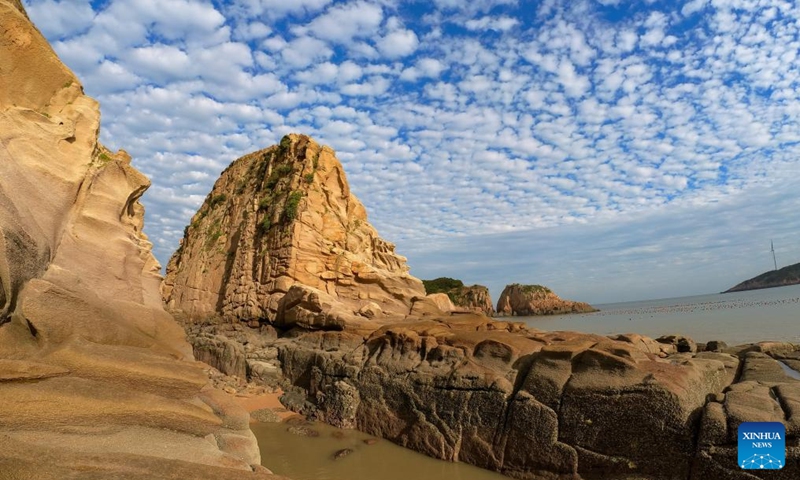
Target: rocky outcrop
(544, 405)
(475, 298)
(96, 379)
(280, 217)
(776, 278)
(529, 300)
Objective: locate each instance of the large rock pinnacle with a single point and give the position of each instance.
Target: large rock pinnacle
(281, 217)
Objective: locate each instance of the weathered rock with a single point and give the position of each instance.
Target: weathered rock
(442, 302)
(276, 218)
(314, 309)
(528, 404)
(528, 300)
(475, 298)
(265, 415)
(370, 310)
(98, 380)
(682, 344)
(342, 453)
(303, 431)
(715, 346)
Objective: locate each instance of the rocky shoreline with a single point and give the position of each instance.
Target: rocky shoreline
(535, 404)
(450, 383)
(281, 285)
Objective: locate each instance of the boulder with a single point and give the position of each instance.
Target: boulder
(682, 344)
(313, 309)
(442, 301)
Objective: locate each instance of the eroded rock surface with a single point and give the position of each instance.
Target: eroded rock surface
(96, 379)
(528, 300)
(279, 217)
(544, 405)
(474, 298)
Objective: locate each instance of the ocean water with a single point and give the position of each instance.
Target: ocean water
(735, 318)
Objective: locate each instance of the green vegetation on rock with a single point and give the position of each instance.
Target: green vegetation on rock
(441, 285)
(292, 203)
(279, 172)
(265, 224)
(535, 289)
(216, 200)
(789, 275)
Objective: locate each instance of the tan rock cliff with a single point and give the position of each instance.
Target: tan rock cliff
(526, 300)
(475, 298)
(96, 379)
(280, 217)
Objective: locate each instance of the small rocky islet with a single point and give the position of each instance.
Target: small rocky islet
(280, 281)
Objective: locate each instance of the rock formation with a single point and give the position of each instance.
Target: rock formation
(775, 278)
(543, 405)
(96, 379)
(475, 298)
(279, 217)
(456, 386)
(528, 300)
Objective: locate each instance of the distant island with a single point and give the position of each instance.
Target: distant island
(775, 278)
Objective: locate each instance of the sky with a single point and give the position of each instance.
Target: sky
(611, 150)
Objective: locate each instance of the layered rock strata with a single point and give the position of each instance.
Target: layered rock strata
(96, 379)
(531, 300)
(541, 405)
(279, 217)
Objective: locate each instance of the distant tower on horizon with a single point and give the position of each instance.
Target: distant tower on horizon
(772, 249)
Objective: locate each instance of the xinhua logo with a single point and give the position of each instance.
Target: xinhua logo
(762, 445)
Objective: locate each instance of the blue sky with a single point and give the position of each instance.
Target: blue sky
(611, 150)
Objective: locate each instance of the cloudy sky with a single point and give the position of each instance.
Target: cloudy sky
(612, 150)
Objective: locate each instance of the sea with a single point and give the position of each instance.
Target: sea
(770, 314)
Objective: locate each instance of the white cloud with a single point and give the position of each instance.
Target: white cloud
(343, 23)
(59, 19)
(276, 9)
(499, 24)
(555, 134)
(399, 43)
(302, 52)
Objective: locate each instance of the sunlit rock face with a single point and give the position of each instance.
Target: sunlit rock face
(527, 300)
(278, 218)
(91, 365)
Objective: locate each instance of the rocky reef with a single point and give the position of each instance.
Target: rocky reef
(530, 300)
(474, 298)
(531, 404)
(279, 217)
(96, 379)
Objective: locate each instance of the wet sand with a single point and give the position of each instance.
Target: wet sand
(251, 403)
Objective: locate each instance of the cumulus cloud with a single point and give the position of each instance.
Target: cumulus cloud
(491, 140)
(59, 19)
(399, 43)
